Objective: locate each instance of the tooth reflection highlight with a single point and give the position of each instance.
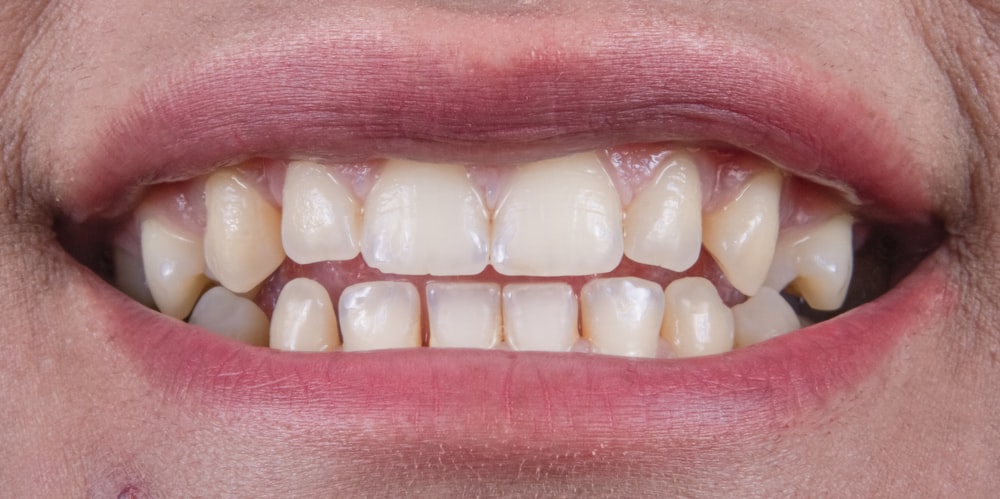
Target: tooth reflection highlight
(174, 266)
(320, 219)
(463, 315)
(763, 316)
(695, 321)
(622, 316)
(541, 317)
(304, 319)
(380, 315)
(232, 316)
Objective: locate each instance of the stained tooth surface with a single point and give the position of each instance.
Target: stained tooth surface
(540, 317)
(304, 319)
(425, 219)
(174, 266)
(232, 316)
(663, 223)
(695, 321)
(558, 217)
(823, 258)
(380, 315)
(763, 316)
(463, 315)
(320, 218)
(742, 235)
(242, 233)
(622, 316)
(130, 277)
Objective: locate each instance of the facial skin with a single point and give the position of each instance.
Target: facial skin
(79, 415)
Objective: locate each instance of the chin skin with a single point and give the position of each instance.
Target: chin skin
(81, 413)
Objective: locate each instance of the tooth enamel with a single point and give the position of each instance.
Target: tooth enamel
(130, 277)
(463, 315)
(663, 223)
(229, 315)
(242, 233)
(823, 258)
(557, 218)
(742, 235)
(541, 317)
(304, 319)
(174, 267)
(320, 219)
(425, 219)
(379, 315)
(763, 316)
(622, 316)
(695, 321)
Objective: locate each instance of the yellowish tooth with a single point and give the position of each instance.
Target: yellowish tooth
(320, 219)
(380, 315)
(463, 315)
(558, 217)
(695, 321)
(425, 219)
(304, 319)
(663, 223)
(823, 257)
(763, 316)
(622, 316)
(130, 277)
(174, 266)
(232, 316)
(242, 233)
(540, 317)
(742, 234)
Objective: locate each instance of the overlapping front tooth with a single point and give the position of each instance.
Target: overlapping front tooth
(463, 315)
(763, 316)
(695, 321)
(380, 315)
(622, 316)
(304, 319)
(223, 312)
(174, 265)
(560, 217)
(819, 260)
(320, 218)
(540, 317)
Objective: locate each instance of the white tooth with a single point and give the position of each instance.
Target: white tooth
(320, 219)
(541, 317)
(130, 278)
(379, 315)
(425, 219)
(823, 258)
(463, 315)
(742, 234)
(304, 319)
(242, 233)
(622, 316)
(663, 223)
(174, 266)
(558, 217)
(763, 316)
(695, 320)
(232, 316)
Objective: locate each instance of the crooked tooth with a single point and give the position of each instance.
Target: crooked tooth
(174, 266)
(663, 223)
(741, 235)
(695, 320)
(463, 315)
(304, 319)
(130, 277)
(242, 233)
(425, 219)
(232, 316)
(622, 316)
(558, 217)
(380, 315)
(540, 317)
(320, 219)
(822, 257)
(763, 316)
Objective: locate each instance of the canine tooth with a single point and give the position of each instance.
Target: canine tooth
(541, 317)
(823, 257)
(379, 315)
(763, 316)
(425, 219)
(174, 266)
(304, 319)
(232, 316)
(242, 233)
(622, 316)
(663, 223)
(130, 278)
(742, 235)
(463, 315)
(320, 219)
(558, 217)
(695, 320)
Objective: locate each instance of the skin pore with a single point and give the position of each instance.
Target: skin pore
(82, 415)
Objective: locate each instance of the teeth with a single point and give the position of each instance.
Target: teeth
(320, 218)
(242, 234)
(763, 316)
(696, 321)
(379, 315)
(304, 319)
(663, 223)
(224, 313)
(622, 316)
(463, 315)
(174, 267)
(540, 317)
(558, 217)
(823, 260)
(425, 219)
(130, 277)
(742, 235)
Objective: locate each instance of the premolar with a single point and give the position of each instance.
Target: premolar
(225, 313)
(174, 266)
